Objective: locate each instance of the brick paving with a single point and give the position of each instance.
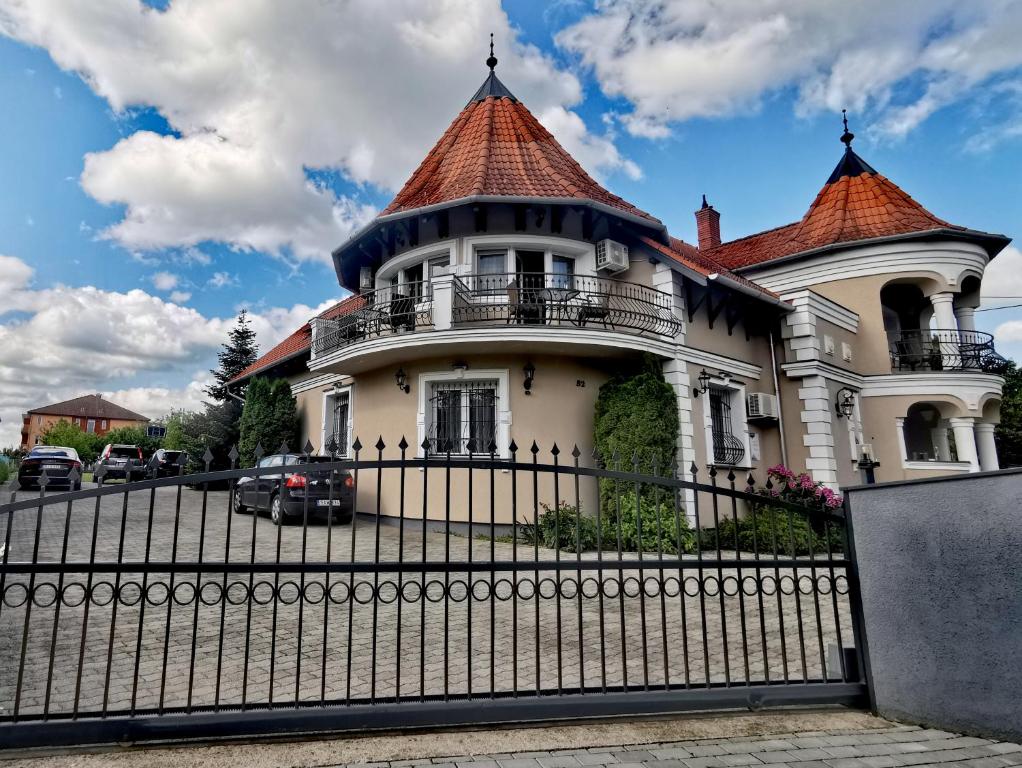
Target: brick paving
(889, 747)
(205, 651)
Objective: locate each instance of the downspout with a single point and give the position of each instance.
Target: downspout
(241, 400)
(777, 392)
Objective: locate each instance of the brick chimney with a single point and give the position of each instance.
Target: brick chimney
(708, 226)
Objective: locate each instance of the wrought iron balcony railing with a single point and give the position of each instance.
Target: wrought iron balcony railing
(393, 309)
(944, 350)
(557, 299)
(502, 299)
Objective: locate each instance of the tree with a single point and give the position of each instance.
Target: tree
(132, 436)
(1009, 432)
(66, 434)
(238, 353)
(636, 415)
(270, 417)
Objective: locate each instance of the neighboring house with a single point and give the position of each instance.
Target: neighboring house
(503, 286)
(90, 412)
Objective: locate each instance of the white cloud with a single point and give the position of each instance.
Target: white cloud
(260, 95)
(1002, 280)
(180, 297)
(164, 281)
(899, 59)
(221, 280)
(83, 339)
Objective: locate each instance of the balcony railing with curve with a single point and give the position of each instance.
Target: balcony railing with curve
(563, 300)
(386, 311)
(944, 350)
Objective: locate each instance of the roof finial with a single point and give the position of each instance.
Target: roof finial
(847, 136)
(705, 204)
(492, 61)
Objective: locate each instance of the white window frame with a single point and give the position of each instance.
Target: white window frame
(503, 414)
(739, 421)
(584, 254)
(397, 265)
(329, 396)
(90, 426)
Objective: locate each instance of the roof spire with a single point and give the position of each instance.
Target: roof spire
(492, 61)
(847, 136)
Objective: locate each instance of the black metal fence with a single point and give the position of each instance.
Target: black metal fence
(393, 309)
(481, 588)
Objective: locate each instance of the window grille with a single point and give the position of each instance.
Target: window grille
(341, 414)
(463, 417)
(727, 449)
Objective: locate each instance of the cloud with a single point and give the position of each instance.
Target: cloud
(221, 280)
(83, 339)
(260, 98)
(900, 60)
(180, 297)
(1002, 280)
(164, 281)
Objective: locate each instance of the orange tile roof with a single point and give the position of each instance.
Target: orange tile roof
(856, 203)
(699, 261)
(497, 147)
(298, 342)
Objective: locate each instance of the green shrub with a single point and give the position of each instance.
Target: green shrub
(5, 472)
(269, 418)
(773, 529)
(563, 527)
(650, 525)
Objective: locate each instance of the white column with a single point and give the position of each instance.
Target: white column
(443, 301)
(965, 442)
(941, 443)
(947, 329)
(966, 317)
(818, 434)
(944, 311)
(986, 446)
(676, 374)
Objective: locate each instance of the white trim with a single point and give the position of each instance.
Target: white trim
(314, 382)
(720, 362)
(413, 257)
(941, 466)
(808, 368)
(328, 416)
(503, 416)
(823, 308)
(972, 389)
(949, 261)
(501, 335)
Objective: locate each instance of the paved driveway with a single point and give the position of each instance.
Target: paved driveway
(144, 652)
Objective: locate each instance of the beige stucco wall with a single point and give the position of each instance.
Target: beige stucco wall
(862, 295)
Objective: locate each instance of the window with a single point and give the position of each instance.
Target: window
(340, 421)
(102, 424)
(78, 421)
(563, 272)
(437, 263)
(463, 416)
(491, 270)
(413, 281)
(727, 448)
(90, 425)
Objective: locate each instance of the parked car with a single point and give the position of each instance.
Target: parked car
(56, 461)
(124, 461)
(287, 495)
(165, 463)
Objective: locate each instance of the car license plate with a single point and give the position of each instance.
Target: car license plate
(328, 503)
(57, 467)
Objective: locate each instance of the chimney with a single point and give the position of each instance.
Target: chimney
(708, 226)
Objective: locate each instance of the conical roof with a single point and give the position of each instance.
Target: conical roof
(496, 147)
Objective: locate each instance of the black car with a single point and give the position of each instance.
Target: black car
(124, 461)
(287, 495)
(165, 463)
(57, 462)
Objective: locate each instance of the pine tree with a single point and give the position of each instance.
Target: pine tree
(238, 353)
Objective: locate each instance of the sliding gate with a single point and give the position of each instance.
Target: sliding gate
(158, 609)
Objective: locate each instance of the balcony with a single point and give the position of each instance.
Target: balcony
(944, 350)
(522, 300)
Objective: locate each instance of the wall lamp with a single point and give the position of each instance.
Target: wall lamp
(704, 381)
(402, 380)
(530, 374)
(844, 403)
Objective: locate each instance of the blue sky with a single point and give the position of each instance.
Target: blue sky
(182, 182)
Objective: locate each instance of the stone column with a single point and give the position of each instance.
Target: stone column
(965, 442)
(443, 301)
(941, 443)
(986, 447)
(966, 317)
(947, 329)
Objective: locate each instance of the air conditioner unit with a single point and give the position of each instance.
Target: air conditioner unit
(760, 405)
(611, 256)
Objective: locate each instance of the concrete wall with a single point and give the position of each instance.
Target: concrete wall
(939, 564)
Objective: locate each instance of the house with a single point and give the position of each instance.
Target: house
(503, 286)
(92, 413)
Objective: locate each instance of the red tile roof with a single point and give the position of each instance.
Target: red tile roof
(298, 342)
(700, 262)
(856, 203)
(90, 406)
(497, 147)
